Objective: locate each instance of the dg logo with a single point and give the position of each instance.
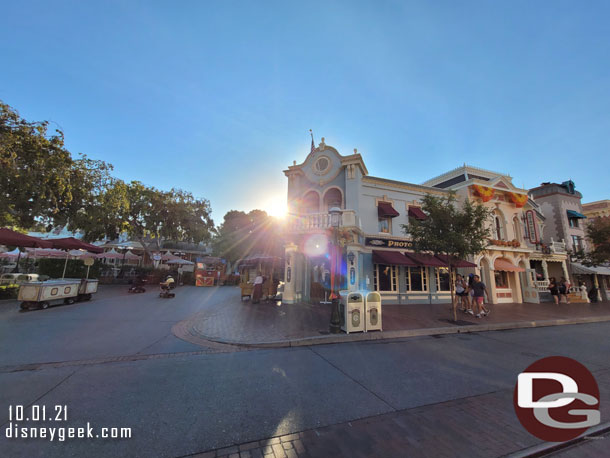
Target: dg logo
(557, 399)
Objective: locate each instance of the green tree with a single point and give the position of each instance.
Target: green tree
(457, 232)
(598, 236)
(40, 182)
(242, 234)
(147, 214)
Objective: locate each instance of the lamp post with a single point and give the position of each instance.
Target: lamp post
(125, 249)
(335, 222)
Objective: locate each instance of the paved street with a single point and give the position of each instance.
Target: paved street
(114, 362)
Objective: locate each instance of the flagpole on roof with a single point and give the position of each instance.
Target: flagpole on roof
(313, 146)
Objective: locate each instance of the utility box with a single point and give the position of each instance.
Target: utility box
(372, 311)
(351, 310)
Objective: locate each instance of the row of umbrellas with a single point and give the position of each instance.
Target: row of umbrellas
(67, 244)
(12, 238)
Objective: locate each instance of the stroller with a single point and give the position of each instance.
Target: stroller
(137, 286)
(166, 288)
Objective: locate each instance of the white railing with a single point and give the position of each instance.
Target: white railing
(558, 247)
(542, 285)
(317, 221)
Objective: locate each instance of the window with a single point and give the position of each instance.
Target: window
(416, 279)
(498, 228)
(443, 282)
(385, 225)
(517, 228)
(573, 222)
(501, 279)
(385, 277)
(577, 244)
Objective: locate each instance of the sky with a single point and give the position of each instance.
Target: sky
(217, 97)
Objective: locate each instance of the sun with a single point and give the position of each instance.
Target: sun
(276, 207)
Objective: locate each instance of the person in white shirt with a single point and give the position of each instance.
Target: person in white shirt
(258, 288)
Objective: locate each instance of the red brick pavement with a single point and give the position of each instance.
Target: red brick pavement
(478, 426)
(246, 323)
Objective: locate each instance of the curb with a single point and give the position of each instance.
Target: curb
(184, 331)
(550, 447)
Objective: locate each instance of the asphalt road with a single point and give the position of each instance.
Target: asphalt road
(183, 404)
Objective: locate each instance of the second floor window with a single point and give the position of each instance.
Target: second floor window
(498, 228)
(577, 244)
(385, 225)
(573, 222)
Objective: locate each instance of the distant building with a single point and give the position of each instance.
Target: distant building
(599, 208)
(566, 219)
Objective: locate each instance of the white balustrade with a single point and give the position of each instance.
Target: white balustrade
(542, 285)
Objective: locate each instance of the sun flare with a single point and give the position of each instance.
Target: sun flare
(276, 206)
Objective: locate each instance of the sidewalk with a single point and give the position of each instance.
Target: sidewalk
(270, 324)
(477, 426)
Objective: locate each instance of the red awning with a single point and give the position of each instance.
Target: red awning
(456, 262)
(423, 259)
(70, 243)
(12, 238)
(385, 210)
(506, 266)
(417, 213)
(391, 258)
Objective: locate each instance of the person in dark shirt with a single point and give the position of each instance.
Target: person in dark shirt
(480, 291)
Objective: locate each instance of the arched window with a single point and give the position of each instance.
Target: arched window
(498, 232)
(333, 198)
(517, 229)
(310, 203)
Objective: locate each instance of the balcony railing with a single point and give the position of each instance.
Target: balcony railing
(552, 248)
(542, 285)
(317, 221)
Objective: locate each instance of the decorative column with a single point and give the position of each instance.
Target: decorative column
(289, 296)
(564, 268)
(545, 271)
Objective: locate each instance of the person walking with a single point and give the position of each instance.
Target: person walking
(470, 294)
(554, 289)
(461, 292)
(564, 289)
(258, 288)
(480, 292)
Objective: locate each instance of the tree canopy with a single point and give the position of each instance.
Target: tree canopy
(598, 236)
(457, 232)
(40, 182)
(242, 234)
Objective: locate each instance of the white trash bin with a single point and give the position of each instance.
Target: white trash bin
(351, 310)
(372, 311)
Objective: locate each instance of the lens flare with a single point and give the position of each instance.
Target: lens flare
(316, 245)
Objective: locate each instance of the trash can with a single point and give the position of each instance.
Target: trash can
(372, 311)
(351, 309)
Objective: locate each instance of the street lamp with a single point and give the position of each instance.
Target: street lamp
(125, 249)
(335, 222)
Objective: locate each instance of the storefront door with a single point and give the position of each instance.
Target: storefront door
(528, 286)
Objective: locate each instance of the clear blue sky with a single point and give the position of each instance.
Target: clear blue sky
(217, 97)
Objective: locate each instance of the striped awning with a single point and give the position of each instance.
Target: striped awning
(506, 266)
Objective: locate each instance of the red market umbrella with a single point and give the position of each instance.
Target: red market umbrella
(70, 243)
(12, 238)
